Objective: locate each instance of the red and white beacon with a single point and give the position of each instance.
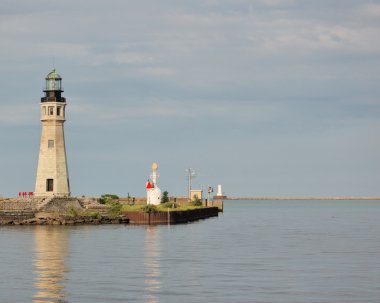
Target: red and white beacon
(153, 193)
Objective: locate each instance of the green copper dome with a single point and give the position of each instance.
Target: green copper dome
(53, 75)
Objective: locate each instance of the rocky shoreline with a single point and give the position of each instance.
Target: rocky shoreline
(56, 211)
(66, 220)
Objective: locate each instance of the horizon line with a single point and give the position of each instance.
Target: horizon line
(306, 198)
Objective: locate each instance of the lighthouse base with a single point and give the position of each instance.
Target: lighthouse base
(153, 196)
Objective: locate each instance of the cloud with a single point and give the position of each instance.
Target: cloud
(275, 3)
(157, 71)
(161, 110)
(20, 114)
(305, 36)
(371, 10)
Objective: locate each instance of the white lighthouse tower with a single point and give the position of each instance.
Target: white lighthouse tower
(220, 192)
(153, 193)
(52, 173)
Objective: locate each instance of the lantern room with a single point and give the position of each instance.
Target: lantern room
(53, 88)
(53, 81)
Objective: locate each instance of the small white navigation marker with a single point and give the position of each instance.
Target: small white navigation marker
(153, 193)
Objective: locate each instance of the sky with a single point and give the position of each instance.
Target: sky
(265, 97)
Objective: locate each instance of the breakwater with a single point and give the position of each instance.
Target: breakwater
(75, 211)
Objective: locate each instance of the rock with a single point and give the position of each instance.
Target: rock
(30, 221)
(47, 215)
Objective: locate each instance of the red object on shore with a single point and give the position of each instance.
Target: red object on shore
(25, 194)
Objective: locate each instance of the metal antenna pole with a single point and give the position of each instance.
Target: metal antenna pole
(190, 184)
(190, 174)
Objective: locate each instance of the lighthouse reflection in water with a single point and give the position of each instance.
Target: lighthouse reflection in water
(51, 259)
(152, 264)
(51, 244)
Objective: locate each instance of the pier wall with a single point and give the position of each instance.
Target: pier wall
(171, 217)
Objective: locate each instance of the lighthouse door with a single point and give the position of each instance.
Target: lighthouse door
(49, 185)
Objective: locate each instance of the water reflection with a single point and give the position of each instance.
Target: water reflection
(152, 264)
(51, 245)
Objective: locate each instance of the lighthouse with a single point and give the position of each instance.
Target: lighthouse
(153, 193)
(52, 174)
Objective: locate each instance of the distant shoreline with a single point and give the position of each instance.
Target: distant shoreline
(301, 198)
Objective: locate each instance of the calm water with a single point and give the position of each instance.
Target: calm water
(279, 251)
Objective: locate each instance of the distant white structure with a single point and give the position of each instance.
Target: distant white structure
(219, 192)
(153, 193)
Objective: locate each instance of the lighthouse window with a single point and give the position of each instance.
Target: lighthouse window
(58, 111)
(51, 110)
(44, 110)
(50, 143)
(49, 184)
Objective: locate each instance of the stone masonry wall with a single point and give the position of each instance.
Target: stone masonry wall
(7, 216)
(19, 204)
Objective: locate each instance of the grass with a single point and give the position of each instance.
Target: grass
(115, 209)
(127, 207)
(75, 213)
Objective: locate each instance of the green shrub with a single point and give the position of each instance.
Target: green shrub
(107, 198)
(111, 196)
(165, 197)
(72, 211)
(149, 209)
(115, 208)
(196, 201)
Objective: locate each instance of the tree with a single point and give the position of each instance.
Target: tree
(196, 201)
(165, 197)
